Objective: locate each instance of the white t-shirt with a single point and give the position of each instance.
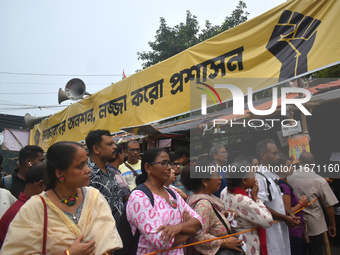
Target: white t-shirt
(277, 235)
(129, 175)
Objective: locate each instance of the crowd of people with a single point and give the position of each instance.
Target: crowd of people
(75, 201)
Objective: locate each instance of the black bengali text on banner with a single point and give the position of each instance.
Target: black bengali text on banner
(216, 64)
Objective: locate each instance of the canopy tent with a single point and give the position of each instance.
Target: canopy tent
(12, 121)
(321, 94)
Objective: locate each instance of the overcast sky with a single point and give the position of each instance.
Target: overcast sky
(44, 44)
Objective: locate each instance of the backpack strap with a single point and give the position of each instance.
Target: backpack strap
(8, 182)
(268, 186)
(288, 185)
(130, 241)
(171, 193)
(142, 187)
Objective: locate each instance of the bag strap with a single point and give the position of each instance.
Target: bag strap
(288, 185)
(142, 187)
(171, 193)
(130, 167)
(221, 219)
(45, 226)
(268, 186)
(223, 222)
(217, 214)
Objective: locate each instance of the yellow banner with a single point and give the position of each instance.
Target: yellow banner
(296, 37)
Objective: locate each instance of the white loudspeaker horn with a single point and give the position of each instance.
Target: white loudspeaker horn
(30, 121)
(75, 89)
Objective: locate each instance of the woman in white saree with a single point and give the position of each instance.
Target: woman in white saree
(79, 220)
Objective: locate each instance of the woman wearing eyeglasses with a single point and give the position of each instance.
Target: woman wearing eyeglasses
(170, 221)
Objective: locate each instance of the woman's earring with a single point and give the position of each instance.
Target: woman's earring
(61, 179)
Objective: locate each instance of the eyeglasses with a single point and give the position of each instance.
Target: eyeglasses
(176, 164)
(134, 150)
(164, 164)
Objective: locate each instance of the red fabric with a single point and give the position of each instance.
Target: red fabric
(9, 216)
(240, 191)
(260, 231)
(45, 225)
(263, 240)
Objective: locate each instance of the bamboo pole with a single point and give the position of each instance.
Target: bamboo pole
(326, 243)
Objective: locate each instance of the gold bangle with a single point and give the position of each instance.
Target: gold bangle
(67, 252)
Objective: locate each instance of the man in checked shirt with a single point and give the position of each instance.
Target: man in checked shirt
(101, 150)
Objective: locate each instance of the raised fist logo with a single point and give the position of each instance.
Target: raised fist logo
(291, 41)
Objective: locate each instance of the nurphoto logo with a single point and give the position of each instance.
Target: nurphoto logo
(238, 100)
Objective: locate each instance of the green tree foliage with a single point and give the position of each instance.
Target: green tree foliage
(330, 72)
(170, 41)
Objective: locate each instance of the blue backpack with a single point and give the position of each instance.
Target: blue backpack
(130, 241)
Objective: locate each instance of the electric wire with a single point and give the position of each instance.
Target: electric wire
(49, 74)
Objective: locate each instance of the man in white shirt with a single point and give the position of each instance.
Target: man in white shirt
(270, 194)
(306, 182)
(132, 167)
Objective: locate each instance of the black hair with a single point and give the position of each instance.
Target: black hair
(60, 156)
(283, 158)
(195, 184)
(174, 157)
(232, 183)
(37, 173)
(95, 138)
(119, 148)
(262, 147)
(29, 152)
(131, 141)
(1, 159)
(148, 157)
(251, 158)
(180, 151)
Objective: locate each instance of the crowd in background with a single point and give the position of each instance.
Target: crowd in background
(76, 201)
